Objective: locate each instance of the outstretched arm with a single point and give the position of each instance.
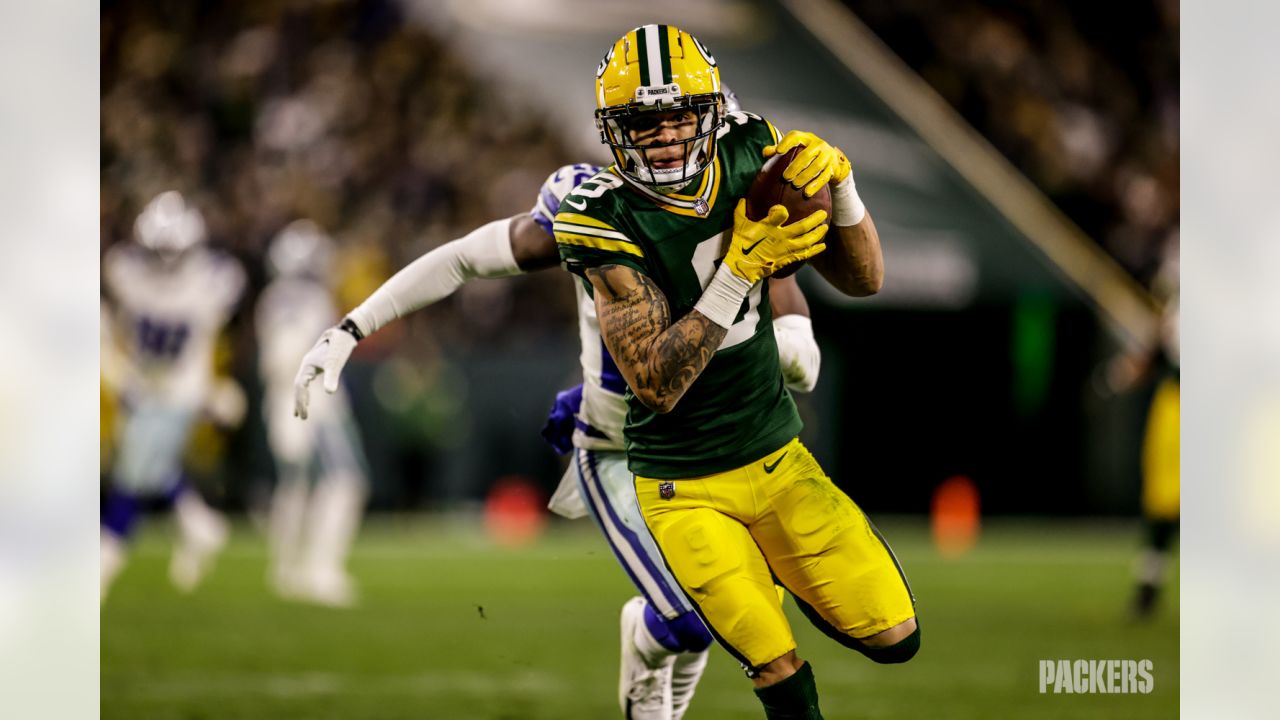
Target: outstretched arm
(500, 249)
(658, 359)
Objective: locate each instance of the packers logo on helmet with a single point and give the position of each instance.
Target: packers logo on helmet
(648, 73)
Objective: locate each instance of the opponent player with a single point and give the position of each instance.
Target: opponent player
(676, 267)
(321, 484)
(664, 644)
(169, 297)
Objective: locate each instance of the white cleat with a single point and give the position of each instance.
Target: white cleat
(685, 674)
(334, 590)
(202, 534)
(330, 589)
(644, 693)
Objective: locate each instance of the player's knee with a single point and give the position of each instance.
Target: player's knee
(684, 633)
(690, 632)
(119, 512)
(897, 650)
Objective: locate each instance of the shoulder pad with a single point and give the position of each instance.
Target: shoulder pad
(750, 122)
(554, 189)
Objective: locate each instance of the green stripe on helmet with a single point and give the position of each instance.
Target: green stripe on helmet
(642, 53)
(664, 47)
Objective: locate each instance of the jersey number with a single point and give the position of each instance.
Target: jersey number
(706, 258)
(160, 340)
(597, 186)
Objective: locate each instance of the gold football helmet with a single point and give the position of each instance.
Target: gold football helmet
(657, 69)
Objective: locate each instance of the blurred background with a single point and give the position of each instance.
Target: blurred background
(1021, 161)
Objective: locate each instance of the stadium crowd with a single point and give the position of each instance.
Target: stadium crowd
(1082, 97)
(264, 112)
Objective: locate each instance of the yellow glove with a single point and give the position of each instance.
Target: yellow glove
(816, 165)
(760, 248)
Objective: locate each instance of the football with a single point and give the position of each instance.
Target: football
(769, 189)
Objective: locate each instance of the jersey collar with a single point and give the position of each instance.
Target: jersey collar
(698, 204)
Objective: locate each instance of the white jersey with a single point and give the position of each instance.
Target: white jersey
(291, 314)
(603, 413)
(167, 318)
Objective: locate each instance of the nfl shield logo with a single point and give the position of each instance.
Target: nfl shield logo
(667, 490)
(701, 207)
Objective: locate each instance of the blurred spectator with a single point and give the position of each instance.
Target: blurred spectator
(1081, 97)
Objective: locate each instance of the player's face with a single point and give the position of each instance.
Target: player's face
(666, 130)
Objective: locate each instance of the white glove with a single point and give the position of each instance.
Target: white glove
(327, 358)
(797, 352)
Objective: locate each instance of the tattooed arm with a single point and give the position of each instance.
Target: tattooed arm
(658, 358)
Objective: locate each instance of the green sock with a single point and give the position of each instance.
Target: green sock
(795, 698)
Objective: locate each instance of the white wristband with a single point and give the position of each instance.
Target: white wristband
(722, 299)
(846, 207)
(483, 253)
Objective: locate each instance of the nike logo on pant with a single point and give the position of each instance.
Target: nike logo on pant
(770, 468)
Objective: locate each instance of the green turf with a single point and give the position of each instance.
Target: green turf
(545, 645)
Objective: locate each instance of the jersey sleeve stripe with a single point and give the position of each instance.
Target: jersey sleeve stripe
(584, 220)
(594, 232)
(598, 243)
(774, 132)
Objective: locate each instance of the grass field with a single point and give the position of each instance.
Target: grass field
(451, 626)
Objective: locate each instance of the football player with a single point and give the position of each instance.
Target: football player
(677, 271)
(168, 298)
(321, 483)
(664, 644)
(1160, 445)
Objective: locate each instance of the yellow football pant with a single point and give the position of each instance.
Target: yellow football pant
(1161, 462)
(722, 534)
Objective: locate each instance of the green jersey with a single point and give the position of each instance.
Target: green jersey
(738, 410)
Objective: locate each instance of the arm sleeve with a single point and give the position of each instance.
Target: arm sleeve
(483, 253)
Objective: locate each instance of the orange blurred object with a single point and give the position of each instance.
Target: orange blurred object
(514, 512)
(955, 516)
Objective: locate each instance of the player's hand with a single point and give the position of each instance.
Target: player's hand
(326, 358)
(760, 248)
(816, 165)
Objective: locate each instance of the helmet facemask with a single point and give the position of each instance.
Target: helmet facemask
(616, 123)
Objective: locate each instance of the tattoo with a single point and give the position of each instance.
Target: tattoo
(659, 359)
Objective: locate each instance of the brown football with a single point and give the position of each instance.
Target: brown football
(769, 189)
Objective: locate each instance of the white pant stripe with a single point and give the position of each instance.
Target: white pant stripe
(648, 571)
